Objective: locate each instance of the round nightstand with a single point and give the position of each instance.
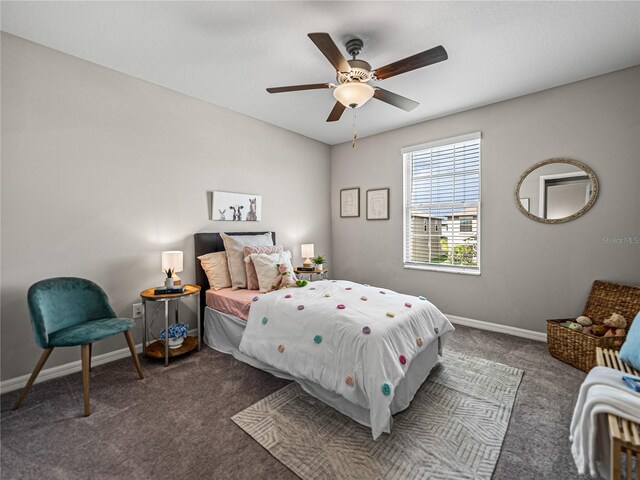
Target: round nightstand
(160, 349)
(323, 274)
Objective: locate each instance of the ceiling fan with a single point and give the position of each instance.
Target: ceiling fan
(353, 76)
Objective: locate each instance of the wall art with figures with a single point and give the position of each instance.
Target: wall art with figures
(236, 207)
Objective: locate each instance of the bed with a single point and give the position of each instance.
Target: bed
(321, 337)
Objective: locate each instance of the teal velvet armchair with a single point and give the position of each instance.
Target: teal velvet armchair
(69, 311)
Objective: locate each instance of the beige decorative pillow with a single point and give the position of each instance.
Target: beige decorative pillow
(217, 270)
(234, 246)
(267, 268)
(252, 276)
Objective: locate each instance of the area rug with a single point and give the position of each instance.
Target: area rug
(453, 429)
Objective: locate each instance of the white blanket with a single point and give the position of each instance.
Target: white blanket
(305, 333)
(603, 391)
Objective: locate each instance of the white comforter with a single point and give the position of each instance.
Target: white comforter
(304, 332)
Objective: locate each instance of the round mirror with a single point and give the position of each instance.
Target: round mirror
(556, 190)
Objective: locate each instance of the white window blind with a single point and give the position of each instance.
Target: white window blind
(442, 205)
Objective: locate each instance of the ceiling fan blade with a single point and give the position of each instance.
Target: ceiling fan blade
(419, 60)
(395, 99)
(336, 113)
(295, 88)
(330, 50)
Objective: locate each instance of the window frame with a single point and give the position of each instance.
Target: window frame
(466, 221)
(406, 178)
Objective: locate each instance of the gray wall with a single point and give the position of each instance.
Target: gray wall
(530, 271)
(101, 172)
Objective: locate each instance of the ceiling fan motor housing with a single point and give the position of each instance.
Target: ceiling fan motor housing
(360, 72)
(354, 47)
(353, 90)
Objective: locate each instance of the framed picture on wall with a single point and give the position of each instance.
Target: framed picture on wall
(238, 207)
(378, 204)
(350, 202)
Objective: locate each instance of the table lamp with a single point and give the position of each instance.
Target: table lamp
(307, 251)
(172, 260)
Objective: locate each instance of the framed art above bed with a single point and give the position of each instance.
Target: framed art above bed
(237, 207)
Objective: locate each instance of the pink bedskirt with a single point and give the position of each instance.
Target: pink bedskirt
(233, 302)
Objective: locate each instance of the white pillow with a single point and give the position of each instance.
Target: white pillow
(267, 268)
(217, 270)
(234, 246)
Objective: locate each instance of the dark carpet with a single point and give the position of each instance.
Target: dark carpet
(176, 423)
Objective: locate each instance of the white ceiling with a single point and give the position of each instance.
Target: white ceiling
(227, 53)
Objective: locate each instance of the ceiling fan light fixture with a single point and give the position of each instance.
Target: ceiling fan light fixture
(353, 94)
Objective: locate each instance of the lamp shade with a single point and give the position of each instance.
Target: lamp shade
(173, 260)
(353, 94)
(307, 250)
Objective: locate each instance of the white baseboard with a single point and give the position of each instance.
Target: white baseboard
(68, 368)
(496, 327)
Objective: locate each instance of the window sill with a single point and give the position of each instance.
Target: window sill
(433, 268)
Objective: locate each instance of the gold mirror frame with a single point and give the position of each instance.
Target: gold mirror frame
(570, 161)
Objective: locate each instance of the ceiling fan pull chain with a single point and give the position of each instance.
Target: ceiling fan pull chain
(355, 134)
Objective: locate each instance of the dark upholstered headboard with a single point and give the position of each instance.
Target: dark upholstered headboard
(209, 243)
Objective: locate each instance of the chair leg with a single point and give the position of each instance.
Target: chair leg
(615, 470)
(86, 359)
(34, 375)
(90, 354)
(134, 354)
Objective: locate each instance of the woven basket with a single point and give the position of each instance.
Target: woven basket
(579, 349)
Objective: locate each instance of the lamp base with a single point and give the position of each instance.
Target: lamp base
(176, 280)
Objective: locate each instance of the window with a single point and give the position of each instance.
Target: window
(442, 205)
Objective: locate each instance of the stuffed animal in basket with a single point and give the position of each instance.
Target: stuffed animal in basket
(616, 325)
(286, 278)
(584, 321)
(576, 327)
(585, 324)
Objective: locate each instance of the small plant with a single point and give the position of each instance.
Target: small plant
(319, 260)
(169, 272)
